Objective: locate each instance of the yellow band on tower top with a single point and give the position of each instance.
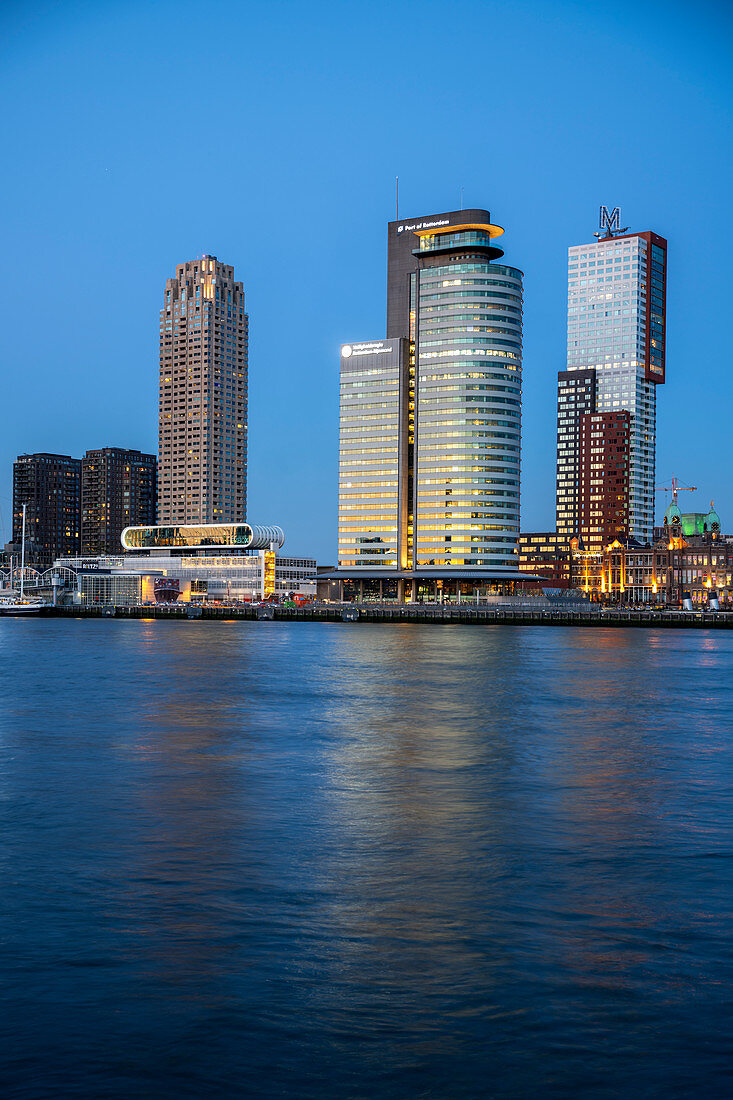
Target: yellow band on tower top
(492, 230)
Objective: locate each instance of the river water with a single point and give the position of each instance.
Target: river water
(353, 860)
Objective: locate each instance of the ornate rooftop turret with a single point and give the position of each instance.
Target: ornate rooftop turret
(673, 516)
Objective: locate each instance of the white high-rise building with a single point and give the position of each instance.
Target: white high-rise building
(616, 342)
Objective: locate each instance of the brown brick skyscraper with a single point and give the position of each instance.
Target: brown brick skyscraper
(202, 469)
(603, 490)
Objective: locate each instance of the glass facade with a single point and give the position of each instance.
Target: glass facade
(430, 431)
(616, 321)
(372, 527)
(224, 534)
(468, 411)
(240, 576)
(122, 590)
(431, 242)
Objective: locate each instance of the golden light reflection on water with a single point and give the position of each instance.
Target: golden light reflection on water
(412, 846)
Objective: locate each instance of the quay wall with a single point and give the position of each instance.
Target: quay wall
(373, 613)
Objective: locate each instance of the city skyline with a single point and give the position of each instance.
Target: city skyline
(292, 231)
(577, 384)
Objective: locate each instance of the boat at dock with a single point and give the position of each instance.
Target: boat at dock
(20, 605)
(16, 606)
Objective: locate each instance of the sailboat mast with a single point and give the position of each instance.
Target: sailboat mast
(22, 554)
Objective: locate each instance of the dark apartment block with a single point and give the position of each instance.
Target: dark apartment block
(50, 487)
(576, 396)
(546, 554)
(118, 490)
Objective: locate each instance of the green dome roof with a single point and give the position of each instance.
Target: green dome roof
(673, 516)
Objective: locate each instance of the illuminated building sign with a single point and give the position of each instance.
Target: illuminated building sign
(268, 573)
(611, 222)
(374, 347)
(415, 227)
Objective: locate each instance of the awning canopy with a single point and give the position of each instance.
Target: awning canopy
(479, 575)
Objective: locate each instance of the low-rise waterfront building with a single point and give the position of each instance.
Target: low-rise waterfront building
(194, 563)
(670, 570)
(547, 555)
(687, 557)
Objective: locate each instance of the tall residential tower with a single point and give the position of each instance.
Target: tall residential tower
(50, 487)
(615, 361)
(118, 490)
(203, 396)
(430, 417)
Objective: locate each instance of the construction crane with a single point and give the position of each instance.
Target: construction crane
(675, 488)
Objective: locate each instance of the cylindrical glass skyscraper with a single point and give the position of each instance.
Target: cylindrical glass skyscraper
(467, 401)
(430, 442)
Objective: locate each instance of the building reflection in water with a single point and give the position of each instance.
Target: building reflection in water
(408, 859)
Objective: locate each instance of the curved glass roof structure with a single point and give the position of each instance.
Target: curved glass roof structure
(202, 536)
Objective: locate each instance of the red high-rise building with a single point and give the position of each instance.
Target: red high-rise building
(603, 468)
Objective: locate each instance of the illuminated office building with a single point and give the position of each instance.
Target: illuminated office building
(202, 473)
(375, 423)
(615, 361)
(430, 437)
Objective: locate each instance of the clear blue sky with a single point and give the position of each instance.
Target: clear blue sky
(139, 135)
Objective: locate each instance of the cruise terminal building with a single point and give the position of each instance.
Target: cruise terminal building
(191, 563)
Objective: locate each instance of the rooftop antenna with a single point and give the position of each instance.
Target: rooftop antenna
(461, 190)
(397, 198)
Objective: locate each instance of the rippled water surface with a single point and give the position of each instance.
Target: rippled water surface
(351, 860)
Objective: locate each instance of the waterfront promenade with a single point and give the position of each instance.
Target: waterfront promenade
(417, 613)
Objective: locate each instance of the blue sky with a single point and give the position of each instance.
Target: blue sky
(139, 135)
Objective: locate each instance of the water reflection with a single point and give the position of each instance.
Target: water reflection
(332, 859)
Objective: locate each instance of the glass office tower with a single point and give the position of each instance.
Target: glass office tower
(372, 449)
(616, 330)
(468, 401)
(431, 417)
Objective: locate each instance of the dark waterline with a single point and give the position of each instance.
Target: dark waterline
(315, 860)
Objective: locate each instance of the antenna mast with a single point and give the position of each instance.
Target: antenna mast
(397, 198)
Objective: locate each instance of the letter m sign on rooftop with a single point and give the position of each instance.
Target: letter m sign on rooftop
(610, 222)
